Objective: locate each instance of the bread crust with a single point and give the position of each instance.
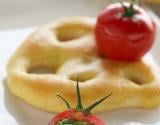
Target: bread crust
(67, 47)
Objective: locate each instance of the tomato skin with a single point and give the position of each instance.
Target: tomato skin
(77, 116)
(124, 38)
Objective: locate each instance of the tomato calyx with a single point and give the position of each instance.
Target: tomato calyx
(128, 11)
(78, 115)
(71, 122)
(79, 106)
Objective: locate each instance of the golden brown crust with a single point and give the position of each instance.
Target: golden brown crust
(152, 1)
(67, 47)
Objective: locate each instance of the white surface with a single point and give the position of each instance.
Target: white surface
(16, 112)
(26, 13)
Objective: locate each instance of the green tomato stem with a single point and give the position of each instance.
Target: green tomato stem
(65, 101)
(128, 11)
(88, 109)
(79, 106)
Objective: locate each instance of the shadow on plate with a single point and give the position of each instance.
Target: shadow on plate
(27, 115)
(23, 113)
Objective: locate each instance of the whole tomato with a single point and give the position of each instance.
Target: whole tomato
(124, 31)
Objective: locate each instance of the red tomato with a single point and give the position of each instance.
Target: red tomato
(76, 116)
(123, 37)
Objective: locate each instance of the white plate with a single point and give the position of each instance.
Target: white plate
(13, 111)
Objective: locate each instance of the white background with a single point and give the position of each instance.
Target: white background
(26, 13)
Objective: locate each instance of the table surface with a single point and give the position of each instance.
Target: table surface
(28, 13)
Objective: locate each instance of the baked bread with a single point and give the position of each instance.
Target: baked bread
(152, 1)
(67, 47)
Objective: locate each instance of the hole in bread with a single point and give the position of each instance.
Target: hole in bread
(83, 76)
(70, 32)
(40, 70)
(137, 79)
